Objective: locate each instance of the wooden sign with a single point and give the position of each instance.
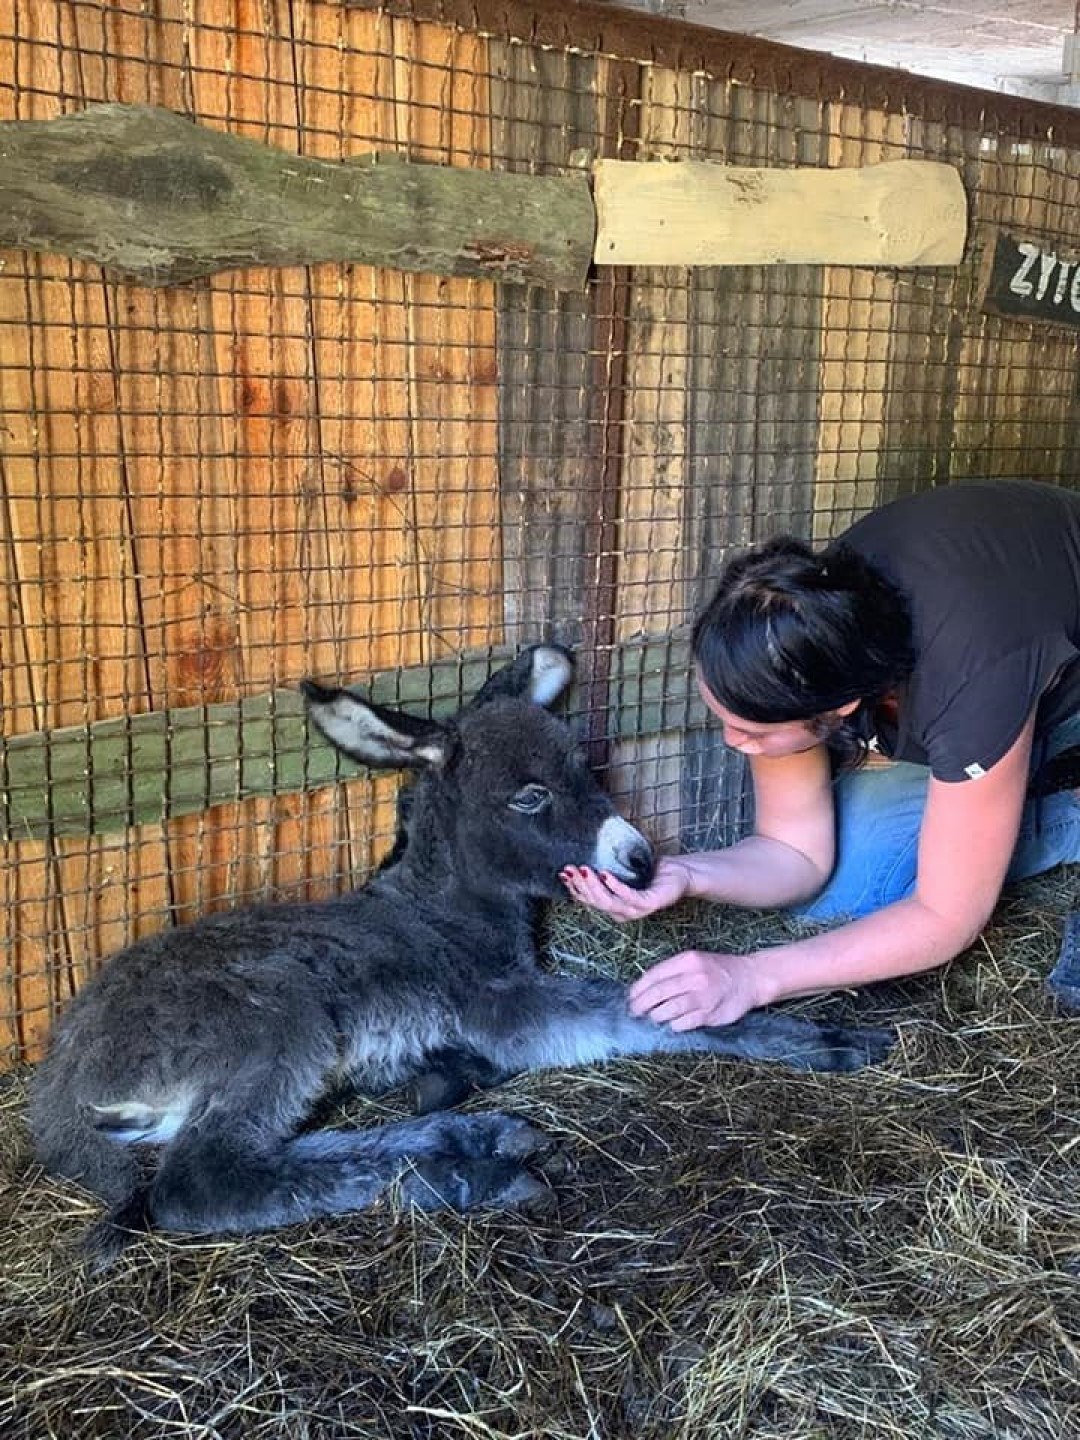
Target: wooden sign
(1031, 279)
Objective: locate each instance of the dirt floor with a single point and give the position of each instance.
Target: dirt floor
(728, 1250)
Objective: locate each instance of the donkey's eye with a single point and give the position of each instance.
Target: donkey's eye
(531, 799)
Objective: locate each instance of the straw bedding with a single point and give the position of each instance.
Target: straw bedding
(728, 1250)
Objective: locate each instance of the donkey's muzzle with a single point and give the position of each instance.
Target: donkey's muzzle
(625, 853)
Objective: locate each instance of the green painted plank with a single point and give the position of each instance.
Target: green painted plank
(138, 768)
(652, 689)
(93, 779)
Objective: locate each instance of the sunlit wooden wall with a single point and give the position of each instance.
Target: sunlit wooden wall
(216, 490)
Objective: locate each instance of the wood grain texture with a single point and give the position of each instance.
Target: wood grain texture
(905, 212)
(160, 200)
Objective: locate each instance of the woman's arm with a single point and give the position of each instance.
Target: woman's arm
(967, 839)
(787, 859)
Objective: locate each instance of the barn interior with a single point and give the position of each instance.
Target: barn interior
(363, 473)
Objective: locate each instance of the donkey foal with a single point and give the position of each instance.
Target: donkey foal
(179, 1081)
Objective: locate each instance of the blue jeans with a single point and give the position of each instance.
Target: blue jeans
(878, 816)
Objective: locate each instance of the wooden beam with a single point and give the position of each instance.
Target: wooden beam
(158, 199)
(93, 779)
(155, 198)
(902, 212)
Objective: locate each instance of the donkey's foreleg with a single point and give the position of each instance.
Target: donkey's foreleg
(450, 1075)
(557, 1020)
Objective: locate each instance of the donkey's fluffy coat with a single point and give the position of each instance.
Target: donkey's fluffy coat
(179, 1081)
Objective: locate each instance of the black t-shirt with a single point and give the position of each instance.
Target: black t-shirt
(991, 571)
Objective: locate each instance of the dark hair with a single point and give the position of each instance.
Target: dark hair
(791, 634)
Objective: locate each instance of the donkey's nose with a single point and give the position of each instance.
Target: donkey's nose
(625, 852)
(641, 864)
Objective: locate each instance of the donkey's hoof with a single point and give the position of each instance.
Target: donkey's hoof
(851, 1049)
(437, 1090)
(516, 1138)
(491, 1133)
(457, 1182)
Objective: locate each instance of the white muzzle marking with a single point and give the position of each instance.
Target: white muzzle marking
(616, 841)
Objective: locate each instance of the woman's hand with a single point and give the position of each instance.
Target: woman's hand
(696, 987)
(601, 891)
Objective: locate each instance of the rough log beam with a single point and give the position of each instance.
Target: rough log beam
(160, 200)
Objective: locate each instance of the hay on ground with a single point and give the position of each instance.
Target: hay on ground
(729, 1250)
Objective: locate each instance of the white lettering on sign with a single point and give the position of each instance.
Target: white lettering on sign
(1020, 284)
(1046, 270)
(1032, 283)
(1034, 280)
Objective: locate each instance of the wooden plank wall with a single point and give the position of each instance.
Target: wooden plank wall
(754, 407)
(213, 491)
(210, 492)
(857, 329)
(645, 773)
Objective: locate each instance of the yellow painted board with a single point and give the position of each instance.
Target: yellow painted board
(901, 212)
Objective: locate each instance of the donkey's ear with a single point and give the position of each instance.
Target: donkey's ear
(372, 734)
(540, 674)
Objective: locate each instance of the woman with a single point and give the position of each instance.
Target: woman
(942, 631)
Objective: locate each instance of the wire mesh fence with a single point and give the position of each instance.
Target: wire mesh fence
(213, 490)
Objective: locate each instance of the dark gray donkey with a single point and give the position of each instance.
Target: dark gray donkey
(181, 1082)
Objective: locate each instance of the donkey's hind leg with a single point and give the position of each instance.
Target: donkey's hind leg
(215, 1180)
